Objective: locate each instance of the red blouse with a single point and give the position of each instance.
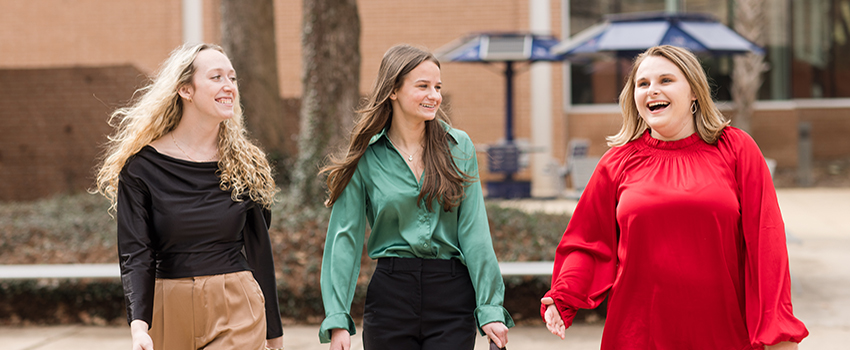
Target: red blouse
(689, 239)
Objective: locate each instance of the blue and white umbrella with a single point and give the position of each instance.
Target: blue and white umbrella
(630, 34)
(509, 48)
(499, 47)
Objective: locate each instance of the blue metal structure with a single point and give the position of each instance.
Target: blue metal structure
(509, 48)
(630, 34)
(501, 47)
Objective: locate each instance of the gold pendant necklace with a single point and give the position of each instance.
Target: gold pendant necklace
(184, 152)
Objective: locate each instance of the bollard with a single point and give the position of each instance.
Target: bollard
(804, 155)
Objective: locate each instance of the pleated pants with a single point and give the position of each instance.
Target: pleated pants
(209, 312)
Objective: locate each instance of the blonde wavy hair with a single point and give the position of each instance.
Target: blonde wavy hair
(708, 120)
(243, 167)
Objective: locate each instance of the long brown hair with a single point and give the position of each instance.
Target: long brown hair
(708, 120)
(443, 180)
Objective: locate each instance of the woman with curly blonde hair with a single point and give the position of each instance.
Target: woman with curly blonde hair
(192, 196)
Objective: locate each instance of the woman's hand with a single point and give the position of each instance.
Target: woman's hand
(340, 339)
(553, 319)
(141, 338)
(498, 332)
(786, 345)
(275, 343)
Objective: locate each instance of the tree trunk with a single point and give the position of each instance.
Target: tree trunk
(750, 22)
(247, 34)
(330, 42)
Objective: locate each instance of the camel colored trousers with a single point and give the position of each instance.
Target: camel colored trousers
(209, 312)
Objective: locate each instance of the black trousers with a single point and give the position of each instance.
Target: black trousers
(423, 304)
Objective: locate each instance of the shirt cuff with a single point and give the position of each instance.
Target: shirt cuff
(566, 312)
(340, 320)
(485, 314)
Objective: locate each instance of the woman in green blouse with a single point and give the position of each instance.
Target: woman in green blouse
(413, 178)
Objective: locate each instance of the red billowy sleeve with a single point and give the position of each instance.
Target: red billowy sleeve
(769, 315)
(586, 260)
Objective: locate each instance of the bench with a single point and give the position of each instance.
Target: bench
(526, 268)
(61, 271)
(70, 271)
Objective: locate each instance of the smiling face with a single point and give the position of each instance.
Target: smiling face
(418, 98)
(663, 98)
(213, 89)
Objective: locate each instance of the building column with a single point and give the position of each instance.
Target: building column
(543, 168)
(193, 22)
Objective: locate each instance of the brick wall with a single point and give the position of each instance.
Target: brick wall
(775, 131)
(830, 128)
(60, 33)
(54, 122)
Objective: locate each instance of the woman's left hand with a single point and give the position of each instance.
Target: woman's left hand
(786, 345)
(498, 332)
(275, 343)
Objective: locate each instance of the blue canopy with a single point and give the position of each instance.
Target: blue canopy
(499, 47)
(630, 34)
(509, 48)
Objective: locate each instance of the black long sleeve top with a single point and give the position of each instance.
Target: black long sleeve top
(175, 221)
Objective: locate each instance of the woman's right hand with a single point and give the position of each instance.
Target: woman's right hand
(340, 339)
(141, 338)
(553, 319)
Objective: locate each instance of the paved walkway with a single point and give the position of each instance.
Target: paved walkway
(818, 218)
(580, 337)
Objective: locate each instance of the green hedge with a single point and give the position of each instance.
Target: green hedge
(77, 229)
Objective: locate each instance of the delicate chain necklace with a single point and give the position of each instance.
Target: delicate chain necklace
(409, 155)
(184, 152)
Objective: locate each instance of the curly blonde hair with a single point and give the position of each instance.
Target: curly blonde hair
(243, 167)
(708, 120)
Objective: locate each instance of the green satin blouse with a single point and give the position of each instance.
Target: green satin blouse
(383, 192)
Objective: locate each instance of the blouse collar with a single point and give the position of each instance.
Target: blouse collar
(383, 133)
(677, 144)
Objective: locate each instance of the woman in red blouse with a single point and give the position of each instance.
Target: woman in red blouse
(679, 226)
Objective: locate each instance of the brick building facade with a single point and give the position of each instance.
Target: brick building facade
(36, 37)
(54, 121)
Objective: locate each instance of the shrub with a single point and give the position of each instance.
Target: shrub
(77, 229)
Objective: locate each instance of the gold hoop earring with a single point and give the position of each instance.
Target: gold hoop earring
(693, 107)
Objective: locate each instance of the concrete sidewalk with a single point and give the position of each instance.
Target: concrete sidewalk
(818, 218)
(579, 337)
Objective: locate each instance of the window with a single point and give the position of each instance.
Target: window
(807, 59)
(820, 45)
